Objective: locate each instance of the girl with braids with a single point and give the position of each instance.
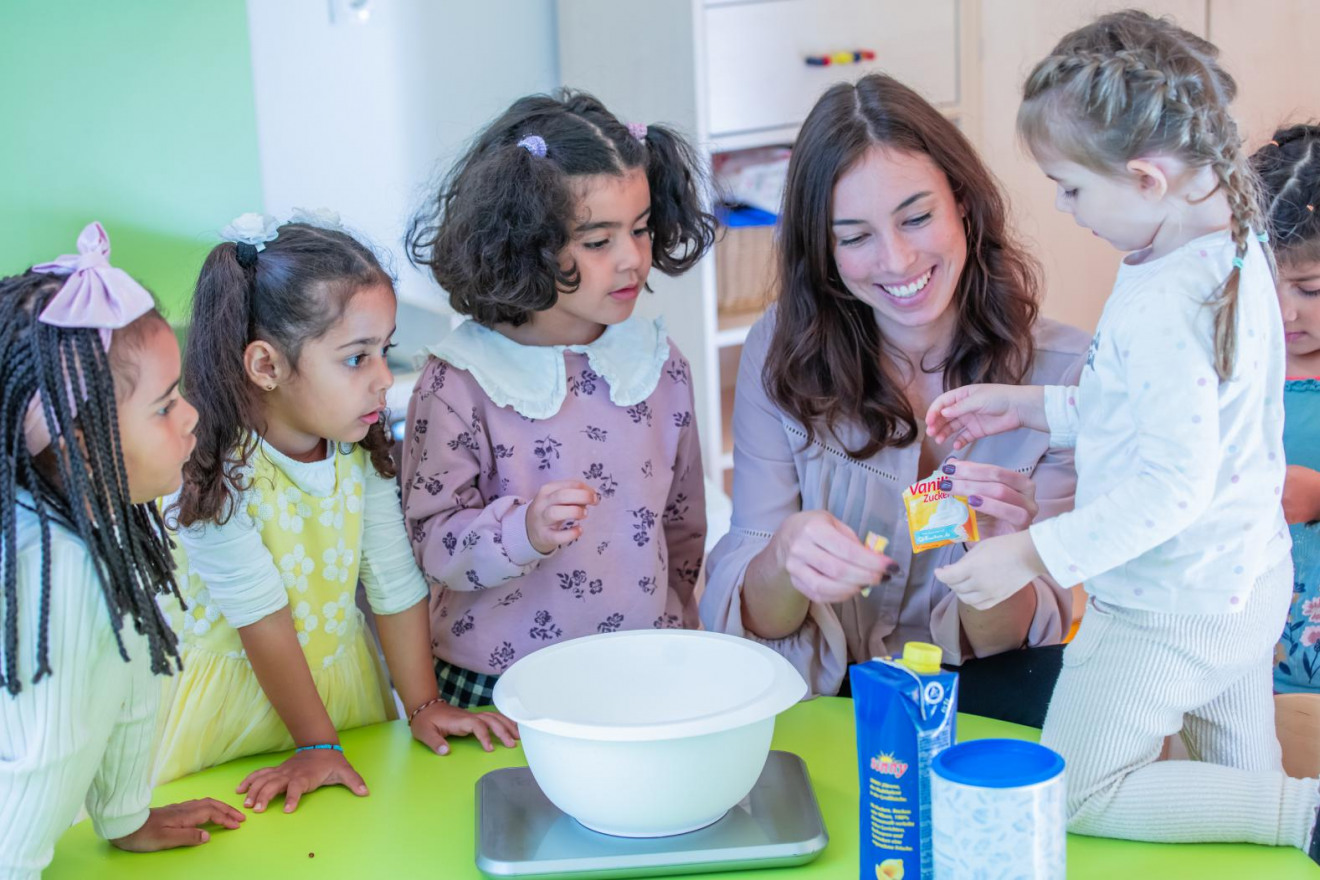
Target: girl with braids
(1178, 532)
(94, 431)
(288, 499)
(1289, 170)
(555, 413)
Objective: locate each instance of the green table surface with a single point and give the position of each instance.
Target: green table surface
(419, 818)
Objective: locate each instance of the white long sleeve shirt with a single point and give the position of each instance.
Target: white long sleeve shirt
(241, 574)
(83, 734)
(1179, 476)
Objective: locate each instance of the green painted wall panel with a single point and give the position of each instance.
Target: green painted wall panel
(137, 113)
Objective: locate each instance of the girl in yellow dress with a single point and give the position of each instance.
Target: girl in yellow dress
(289, 498)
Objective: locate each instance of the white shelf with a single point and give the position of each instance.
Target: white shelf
(733, 328)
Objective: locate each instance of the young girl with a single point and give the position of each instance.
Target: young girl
(288, 499)
(94, 430)
(1177, 421)
(1289, 169)
(552, 479)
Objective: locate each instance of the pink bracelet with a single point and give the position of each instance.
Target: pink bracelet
(430, 702)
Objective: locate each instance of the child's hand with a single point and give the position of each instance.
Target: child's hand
(976, 411)
(555, 507)
(179, 825)
(439, 720)
(993, 570)
(1301, 494)
(824, 560)
(304, 772)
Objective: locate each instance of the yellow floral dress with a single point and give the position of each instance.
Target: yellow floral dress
(215, 710)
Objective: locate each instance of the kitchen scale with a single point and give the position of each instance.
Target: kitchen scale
(521, 834)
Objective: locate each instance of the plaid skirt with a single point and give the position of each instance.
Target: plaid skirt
(462, 687)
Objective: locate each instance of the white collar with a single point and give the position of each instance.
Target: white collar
(313, 477)
(630, 357)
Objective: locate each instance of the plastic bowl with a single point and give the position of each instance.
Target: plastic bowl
(648, 733)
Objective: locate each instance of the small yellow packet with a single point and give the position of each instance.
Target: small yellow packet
(878, 543)
(936, 517)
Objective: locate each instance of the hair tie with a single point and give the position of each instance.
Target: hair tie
(1237, 261)
(637, 130)
(534, 144)
(1263, 237)
(1276, 143)
(1311, 208)
(249, 232)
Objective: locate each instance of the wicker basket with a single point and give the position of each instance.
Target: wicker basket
(745, 268)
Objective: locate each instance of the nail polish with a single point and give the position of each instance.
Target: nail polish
(974, 500)
(948, 469)
(946, 485)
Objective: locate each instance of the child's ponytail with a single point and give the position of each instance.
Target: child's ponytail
(493, 235)
(682, 226)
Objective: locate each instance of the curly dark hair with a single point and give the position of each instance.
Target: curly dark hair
(827, 361)
(1289, 171)
(293, 293)
(493, 235)
(81, 486)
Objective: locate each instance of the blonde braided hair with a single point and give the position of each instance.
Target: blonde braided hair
(1129, 85)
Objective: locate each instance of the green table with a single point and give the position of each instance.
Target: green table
(418, 821)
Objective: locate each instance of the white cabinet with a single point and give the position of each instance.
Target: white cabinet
(735, 74)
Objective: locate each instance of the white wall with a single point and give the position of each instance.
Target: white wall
(362, 116)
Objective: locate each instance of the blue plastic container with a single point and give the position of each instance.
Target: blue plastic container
(999, 810)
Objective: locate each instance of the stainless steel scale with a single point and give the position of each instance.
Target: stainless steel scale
(521, 834)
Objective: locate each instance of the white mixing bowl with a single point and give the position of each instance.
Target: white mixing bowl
(648, 733)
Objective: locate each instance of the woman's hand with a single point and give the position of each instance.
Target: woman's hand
(1004, 500)
(1301, 495)
(439, 720)
(975, 411)
(824, 560)
(179, 825)
(304, 772)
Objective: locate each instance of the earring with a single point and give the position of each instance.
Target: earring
(270, 387)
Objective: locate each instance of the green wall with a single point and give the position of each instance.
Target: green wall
(137, 113)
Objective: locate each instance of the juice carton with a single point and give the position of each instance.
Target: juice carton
(906, 712)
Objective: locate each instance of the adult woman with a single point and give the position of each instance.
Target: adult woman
(898, 280)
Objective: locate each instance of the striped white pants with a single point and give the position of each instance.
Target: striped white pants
(1131, 678)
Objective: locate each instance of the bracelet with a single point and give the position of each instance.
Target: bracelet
(430, 702)
(323, 746)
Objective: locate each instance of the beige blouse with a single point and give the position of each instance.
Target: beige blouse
(775, 476)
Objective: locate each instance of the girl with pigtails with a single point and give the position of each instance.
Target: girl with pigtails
(552, 479)
(1178, 532)
(287, 501)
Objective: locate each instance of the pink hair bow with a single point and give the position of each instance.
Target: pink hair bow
(97, 295)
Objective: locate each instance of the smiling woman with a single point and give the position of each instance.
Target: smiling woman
(900, 279)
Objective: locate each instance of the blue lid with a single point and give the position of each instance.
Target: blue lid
(997, 763)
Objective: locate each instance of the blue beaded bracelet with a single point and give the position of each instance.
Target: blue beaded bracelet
(334, 746)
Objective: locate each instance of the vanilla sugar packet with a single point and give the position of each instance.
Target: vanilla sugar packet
(936, 517)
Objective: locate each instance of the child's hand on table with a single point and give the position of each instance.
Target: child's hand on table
(438, 720)
(179, 825)
(555, 514)
(299, 774)
(993, 570)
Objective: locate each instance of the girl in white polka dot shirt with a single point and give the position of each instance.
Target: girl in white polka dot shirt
(1178, 531)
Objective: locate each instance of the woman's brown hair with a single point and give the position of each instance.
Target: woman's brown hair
(825, 364)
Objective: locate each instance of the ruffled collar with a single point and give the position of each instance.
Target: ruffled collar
(532, 379)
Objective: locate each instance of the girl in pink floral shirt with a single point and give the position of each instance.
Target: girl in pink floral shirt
(552, 480)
